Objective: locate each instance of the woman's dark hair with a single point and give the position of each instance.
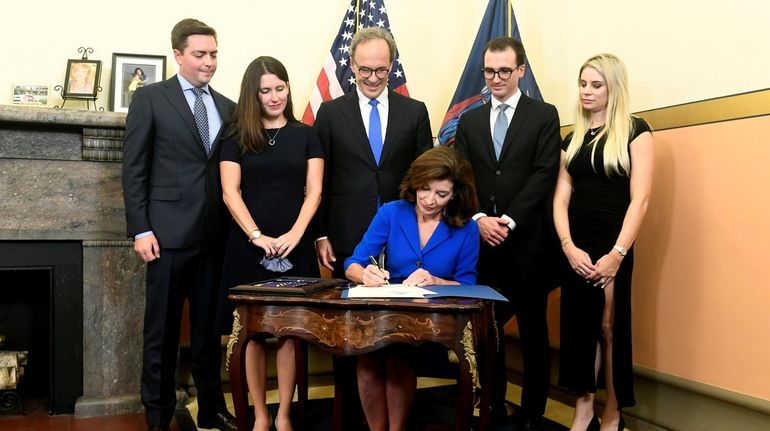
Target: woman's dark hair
(248, 112)
(442, 163)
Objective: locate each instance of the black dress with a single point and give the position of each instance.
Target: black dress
(273, 189)
(597, 208)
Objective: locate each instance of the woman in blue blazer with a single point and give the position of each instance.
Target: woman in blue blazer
(429, 239)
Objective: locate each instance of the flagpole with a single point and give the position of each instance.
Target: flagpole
(358, 15)
(508, 29)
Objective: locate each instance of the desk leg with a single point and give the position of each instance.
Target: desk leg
(487, 347)
(464, 347)
(238, 371)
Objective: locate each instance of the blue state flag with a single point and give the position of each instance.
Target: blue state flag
(472, 91)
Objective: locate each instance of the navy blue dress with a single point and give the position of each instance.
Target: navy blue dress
(597, 208)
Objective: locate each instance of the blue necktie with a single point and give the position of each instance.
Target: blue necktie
(501, 127)
(375, 131)
(201, 118)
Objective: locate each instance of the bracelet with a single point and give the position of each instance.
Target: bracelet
(620, 249)
(566, 240)
(254, 234)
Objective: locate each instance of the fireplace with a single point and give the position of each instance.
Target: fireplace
(42, 311)
(62, 223)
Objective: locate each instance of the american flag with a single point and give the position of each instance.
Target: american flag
(336, 77)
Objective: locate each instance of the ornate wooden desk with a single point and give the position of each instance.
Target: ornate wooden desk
(356, 326)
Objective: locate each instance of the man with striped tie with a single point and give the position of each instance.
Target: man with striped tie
(173, 205)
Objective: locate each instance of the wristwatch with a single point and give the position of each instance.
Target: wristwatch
(255, 234)
(621, 250)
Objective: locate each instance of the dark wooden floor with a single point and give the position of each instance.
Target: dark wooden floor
(37, 419)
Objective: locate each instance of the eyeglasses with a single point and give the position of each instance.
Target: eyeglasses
(365, 72)
(503, 73)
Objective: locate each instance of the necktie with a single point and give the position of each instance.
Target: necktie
(375, 131)
(201, 118)
(501, 127)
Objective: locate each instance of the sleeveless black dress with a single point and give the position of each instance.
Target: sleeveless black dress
(273, 189)
(596, 211)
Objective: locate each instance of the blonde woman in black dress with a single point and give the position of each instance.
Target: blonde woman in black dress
(600, 201)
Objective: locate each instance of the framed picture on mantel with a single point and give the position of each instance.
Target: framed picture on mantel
(129, 73)
(82, 79)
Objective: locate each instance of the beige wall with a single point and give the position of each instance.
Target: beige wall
(677, 51)
(701, 285)
(701, 277)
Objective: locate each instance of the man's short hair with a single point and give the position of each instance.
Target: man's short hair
(188, 27)
(371, 33)
(504, 42)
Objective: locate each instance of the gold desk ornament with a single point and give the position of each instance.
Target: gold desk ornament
(470, 354)
(233, 337)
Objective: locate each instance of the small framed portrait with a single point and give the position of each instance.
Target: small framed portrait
(82, 79)
(29, 94)
(129, 73)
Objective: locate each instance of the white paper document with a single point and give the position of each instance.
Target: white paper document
(387, 291)
(403, 291)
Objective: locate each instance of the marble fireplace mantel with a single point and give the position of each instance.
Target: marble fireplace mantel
(61, 175)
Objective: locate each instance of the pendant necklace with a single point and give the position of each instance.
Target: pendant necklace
(593, 131)
(271, 139)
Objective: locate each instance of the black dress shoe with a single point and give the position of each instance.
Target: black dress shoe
(156, 428)
(223, 421)
(532, 424)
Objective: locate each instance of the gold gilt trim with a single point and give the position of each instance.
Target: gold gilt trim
(470, 354)
(233, 337)
(725, 108)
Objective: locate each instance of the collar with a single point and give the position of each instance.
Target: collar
(511, 101)
(186, 84)
(363, 101)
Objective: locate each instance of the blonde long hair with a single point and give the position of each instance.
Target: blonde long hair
(618, 124)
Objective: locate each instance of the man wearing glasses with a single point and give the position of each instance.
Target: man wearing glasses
(513, 144)
(371, 136)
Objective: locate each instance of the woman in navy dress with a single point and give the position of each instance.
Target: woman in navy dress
(272, 172)
(600, 200)
(429, 239)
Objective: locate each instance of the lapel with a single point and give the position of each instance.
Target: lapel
(352, 114)
(224, 114)
(517, 122)
(175, 96)
(396, 113)
(408, 226)
(486, 133)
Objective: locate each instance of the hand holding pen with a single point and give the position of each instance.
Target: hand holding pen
(374, 274)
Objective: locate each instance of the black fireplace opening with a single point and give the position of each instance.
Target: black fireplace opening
(41, 311)
(25, 323)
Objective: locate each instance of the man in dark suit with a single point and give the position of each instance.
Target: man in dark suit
(172, 195)
(371, 136)
(513, 144)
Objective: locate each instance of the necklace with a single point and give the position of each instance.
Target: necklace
(593, 131)
(271, 139)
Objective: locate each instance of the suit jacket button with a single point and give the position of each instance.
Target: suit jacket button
(497, 172)
(491, 198)
(419, 263)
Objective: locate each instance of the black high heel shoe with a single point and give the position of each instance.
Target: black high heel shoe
(594, 425)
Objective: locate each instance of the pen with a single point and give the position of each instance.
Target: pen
(375, 263)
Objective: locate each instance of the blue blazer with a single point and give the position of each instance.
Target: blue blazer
(451, 253)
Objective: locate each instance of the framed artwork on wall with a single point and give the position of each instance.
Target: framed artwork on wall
(131, 71)
(82, 78)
